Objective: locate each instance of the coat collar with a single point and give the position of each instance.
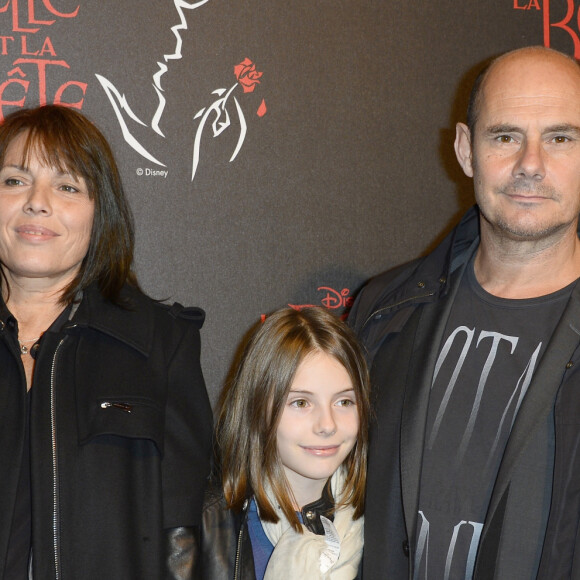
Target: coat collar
(323, 506)
(389, 305)
(131, 324)
(427, 278)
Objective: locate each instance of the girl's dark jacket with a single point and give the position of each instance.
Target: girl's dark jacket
(404, 312)
(223, 547)
(120, 435)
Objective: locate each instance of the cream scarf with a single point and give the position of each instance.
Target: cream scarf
(334, 556)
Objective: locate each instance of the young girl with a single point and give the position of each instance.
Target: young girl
(292, 442)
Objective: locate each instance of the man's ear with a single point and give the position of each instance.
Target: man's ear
(463, 149)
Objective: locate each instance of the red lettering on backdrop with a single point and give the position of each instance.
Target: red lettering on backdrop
(335, 299)
(9, 83)
(41, 64)
(47, 48)
(29, 17)
(48, 5)
(4, 40)
(552, 18)
(62, 89)
(528, 5)
(15, 21)
(332, 300)
(563, 25)
(24, 47)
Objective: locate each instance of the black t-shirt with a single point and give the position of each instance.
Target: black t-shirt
(19, 547)
(490, 350)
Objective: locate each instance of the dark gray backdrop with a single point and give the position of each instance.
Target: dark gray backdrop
(349, 171)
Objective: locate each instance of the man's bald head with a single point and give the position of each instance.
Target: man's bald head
(519, 55)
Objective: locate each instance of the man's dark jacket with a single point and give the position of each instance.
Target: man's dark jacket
(120, 436)
(403, 313)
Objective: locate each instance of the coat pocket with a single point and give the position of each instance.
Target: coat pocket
(129, 417)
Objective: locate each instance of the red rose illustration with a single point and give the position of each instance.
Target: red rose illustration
(261, 109)
(247, 75)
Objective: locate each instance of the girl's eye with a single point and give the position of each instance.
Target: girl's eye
(299, 403)
(345, 403)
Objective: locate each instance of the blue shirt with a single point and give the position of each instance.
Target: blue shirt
(262, 548)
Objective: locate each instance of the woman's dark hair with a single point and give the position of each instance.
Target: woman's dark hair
(66, 140)
(251, 406)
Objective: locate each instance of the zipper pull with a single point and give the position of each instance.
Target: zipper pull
(121, 406)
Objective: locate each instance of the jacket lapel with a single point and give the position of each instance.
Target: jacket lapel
(416, 403)
(539, 400)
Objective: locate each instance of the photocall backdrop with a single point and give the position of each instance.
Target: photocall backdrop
(273, 152)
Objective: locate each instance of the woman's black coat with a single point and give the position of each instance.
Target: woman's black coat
(120, 433)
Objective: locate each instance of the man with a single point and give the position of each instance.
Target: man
(474, 469)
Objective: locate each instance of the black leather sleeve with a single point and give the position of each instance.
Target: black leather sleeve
(180, 552)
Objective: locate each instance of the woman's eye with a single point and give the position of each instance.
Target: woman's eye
(69, 189)
(12, 181)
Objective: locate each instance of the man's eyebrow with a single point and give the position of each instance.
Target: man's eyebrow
(499, 129)
(564, 128)
(561, 128)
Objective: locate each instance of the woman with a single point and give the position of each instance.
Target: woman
(292, 439)
(105, 423)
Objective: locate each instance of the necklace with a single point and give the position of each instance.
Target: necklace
(22, 343)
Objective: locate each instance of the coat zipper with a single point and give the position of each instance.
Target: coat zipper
(239, 544)
(236, 568)
(55, 494)
(126, 407)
